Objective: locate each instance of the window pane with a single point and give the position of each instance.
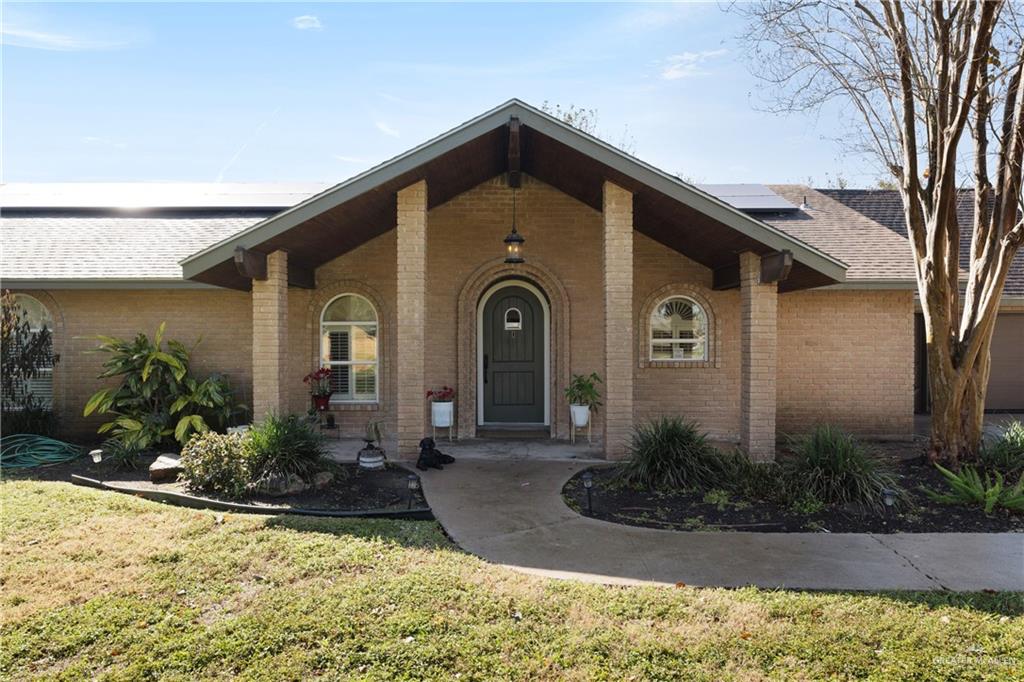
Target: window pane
(364, 343)
(338, 345)
(678, 331)
(341, 382)
(365, 382)
(350, 309)
(38, 315)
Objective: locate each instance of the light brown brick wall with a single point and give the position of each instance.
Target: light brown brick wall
(706, 392)
(563, 236)
(758, 360)
(411, 315)
(620, 327)
(220, 320)
(847, 357)
(270, 339)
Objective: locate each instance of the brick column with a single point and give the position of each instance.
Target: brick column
(618, 319)
(758, 360)
(270, 338)
(411, 329)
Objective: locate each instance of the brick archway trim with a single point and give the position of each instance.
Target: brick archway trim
(476, 284)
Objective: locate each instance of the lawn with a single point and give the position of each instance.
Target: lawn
(96, 584)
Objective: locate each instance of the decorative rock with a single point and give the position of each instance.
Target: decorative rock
(279, 486)
(165, 469)
(323, 479)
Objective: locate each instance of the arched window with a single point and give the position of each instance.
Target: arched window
(39, 318)
(679, 330)
(513, 320)
(348, 345)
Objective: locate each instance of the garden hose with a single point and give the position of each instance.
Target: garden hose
(22, 451)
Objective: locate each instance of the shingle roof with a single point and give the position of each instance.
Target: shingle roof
(886, 207)
(872, 252)
(64, 246)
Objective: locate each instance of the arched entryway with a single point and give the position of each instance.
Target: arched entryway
(548, 290)
(513, 356)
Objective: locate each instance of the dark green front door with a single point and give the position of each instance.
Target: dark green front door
(513, 350)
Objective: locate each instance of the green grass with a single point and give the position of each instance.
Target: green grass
(99, 585)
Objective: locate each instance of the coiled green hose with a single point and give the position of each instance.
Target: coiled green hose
(22, 451)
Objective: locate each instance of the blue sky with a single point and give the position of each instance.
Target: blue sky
(319, 92)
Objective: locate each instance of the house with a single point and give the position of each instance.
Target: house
(755, 310)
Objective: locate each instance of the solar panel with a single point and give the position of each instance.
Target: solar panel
(749, 197)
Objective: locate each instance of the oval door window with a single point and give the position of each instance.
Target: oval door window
(513, 320)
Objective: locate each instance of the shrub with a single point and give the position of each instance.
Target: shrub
(123, 455)
(217, 463)
(750, 479)
(671, 453)
(279, 446)
(832, 467)
(158, 397)
(30, 418)
(967, 487)
(1006, 454)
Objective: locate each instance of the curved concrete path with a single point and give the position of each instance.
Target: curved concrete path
(510, 512)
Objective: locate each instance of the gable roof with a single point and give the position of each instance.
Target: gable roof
(885, 206)
(667, 209)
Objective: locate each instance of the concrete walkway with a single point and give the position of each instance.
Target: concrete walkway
(509, 511)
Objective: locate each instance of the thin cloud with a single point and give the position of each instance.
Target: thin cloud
(307, 22)
(385, 128)
(16, 36)
(350, 159)
(245, 145)
(688, 64)
(103, 141)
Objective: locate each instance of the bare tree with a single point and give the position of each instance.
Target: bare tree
(936, 89)
(586, 120)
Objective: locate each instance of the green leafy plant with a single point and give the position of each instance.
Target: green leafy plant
(968, 487)
(670, 453)
(158, 398)
(582, 390)
(25, 353)
(121, 454)
(750, 479)
(279, 446)
(832, 467)
(1006, 453)
(217, 463)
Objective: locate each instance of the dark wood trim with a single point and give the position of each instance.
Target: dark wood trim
(514, 154)
(250, 264)
(775, 267)
(253, 265)
(725, 277)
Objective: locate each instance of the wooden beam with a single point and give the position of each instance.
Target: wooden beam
(725, 277)
(253, 265)
(250, 264)
(514, 153)
(775, 267)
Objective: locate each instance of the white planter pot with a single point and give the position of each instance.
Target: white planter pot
(441, 414)
(580, 414)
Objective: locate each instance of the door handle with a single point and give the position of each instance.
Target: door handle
(485, 367)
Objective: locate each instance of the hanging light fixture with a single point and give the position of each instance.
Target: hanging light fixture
(514, 241)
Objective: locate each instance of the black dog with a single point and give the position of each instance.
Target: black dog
(431, 457)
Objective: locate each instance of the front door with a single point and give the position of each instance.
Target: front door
(513, 357)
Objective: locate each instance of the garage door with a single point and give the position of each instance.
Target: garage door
(1006, 380)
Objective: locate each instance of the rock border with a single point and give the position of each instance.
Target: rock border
(197, 502)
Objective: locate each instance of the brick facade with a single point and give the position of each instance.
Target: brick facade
(618, 319)
(758, 360)
(411, 317)
(270, 339)
(843, 356)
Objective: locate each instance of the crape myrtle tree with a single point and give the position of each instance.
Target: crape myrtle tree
(934, 92)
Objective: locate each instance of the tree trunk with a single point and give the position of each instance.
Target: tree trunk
(958, 406)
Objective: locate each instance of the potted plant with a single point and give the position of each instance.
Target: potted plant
(372, 455)
(441, 406)
(319, 383)
(583, 397)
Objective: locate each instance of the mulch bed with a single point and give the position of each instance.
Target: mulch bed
(353, 488)
(688, 511)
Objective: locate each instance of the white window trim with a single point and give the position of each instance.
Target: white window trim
(45, 374)
(652, 341)
(349, 324)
